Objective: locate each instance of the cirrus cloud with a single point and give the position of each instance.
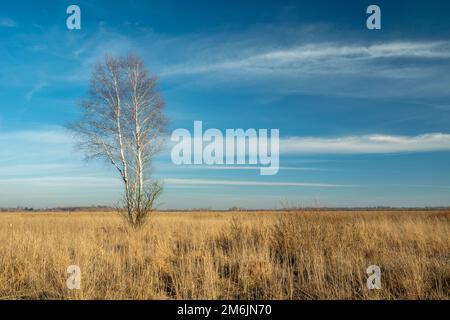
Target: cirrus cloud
(376, 143)
(7, 23)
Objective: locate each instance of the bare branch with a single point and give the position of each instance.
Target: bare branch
(123, 122)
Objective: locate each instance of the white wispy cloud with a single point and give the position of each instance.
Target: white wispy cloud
(37, 146)
(172, 181)
(234, 167)
(38, 87)
(188, 182)
(65, 181)
(328, 64)
(42, 166)
(321, 58)
(56, 140)
(367, 144)
(353, 144)
(54, 135)
(7, 23)
(320, 67)
(10, 169)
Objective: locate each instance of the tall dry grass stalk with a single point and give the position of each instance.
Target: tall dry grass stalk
(215, 255)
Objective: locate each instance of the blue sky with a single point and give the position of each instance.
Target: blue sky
(364, 116)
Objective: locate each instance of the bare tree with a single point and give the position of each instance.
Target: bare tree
(123, 122)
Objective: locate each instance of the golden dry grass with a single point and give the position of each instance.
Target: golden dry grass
(222, 255)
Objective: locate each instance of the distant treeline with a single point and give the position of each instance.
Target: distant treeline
(309, 209)
(60, 209)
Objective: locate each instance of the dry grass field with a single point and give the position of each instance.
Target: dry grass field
(223, 255)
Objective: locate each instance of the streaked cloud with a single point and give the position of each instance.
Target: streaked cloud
(366, 144)
(321, 58)
(59, 140)
(7, 23)
(51, 135)
(38, 87)
(255, 57)
(66, 181)
(209, 182)
(244, 183)
(234, 167)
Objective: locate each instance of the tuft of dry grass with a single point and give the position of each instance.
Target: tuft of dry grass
(226, 255)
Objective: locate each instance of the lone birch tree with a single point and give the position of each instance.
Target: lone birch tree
(123, 122)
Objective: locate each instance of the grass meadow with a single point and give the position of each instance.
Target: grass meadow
(226, 255)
